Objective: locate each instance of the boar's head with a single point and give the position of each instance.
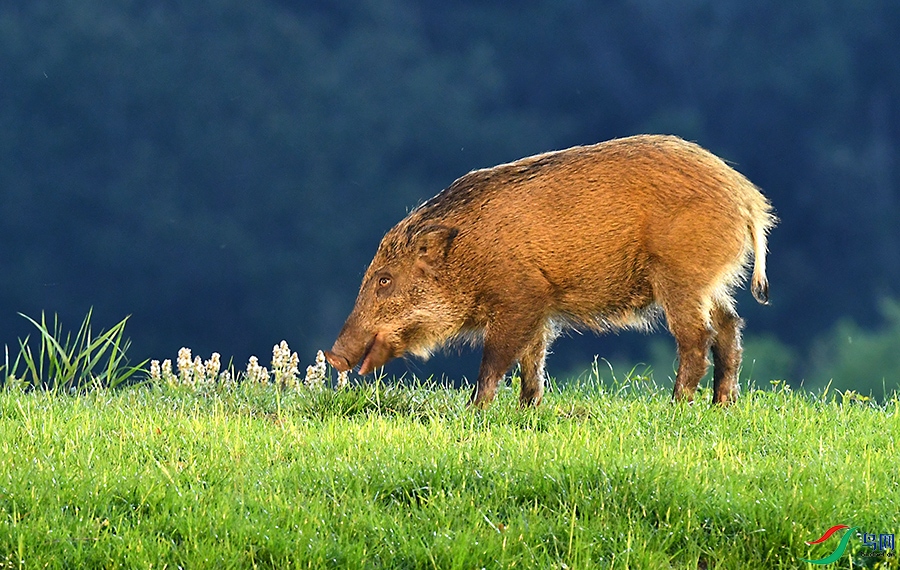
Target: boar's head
(406, 302)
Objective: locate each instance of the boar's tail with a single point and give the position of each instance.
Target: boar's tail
(760, 224)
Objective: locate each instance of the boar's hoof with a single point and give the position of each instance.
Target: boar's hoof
(479, 400)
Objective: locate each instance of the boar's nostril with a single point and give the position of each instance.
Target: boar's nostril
(339, 363)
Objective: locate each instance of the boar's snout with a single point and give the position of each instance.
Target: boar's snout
(338, 362)
(374, 354)
(350, 346)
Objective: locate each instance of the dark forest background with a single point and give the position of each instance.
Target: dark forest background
(222, 170)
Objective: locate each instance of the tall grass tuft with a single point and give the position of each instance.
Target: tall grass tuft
(61, 361)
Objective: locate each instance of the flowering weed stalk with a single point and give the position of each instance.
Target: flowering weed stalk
(256, 373)
(284, 366)
(316, 373)
(198, 374)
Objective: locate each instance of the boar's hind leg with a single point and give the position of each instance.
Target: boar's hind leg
(693, 336)
(504, 341)
(726, 350)
(531, 362)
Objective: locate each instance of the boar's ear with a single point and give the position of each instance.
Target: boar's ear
(432, 245)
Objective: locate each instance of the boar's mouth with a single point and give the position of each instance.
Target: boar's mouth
(376, 353)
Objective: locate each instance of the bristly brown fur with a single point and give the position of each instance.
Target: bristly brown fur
(600, 236)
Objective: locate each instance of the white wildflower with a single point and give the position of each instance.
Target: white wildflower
(185, 367)
(256, 373)
(293, 371)
(284, 365)
(343, 379)
(199, 371)
(315, 374)
(280, 355)
(226, 379)
(166, 372)
(155, 372)
(212, 366)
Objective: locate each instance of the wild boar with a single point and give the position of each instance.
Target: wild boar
(598, 237)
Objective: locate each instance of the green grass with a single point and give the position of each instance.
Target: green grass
(62, 362)
(379, 476)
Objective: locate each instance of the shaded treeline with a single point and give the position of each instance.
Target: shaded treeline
(223, 170)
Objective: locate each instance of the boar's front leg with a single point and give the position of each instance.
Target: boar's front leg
(507, 340)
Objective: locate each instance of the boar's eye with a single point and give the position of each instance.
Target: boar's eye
(384, 285)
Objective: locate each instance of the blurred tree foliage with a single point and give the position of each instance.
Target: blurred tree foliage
(867, 361)
(224, 169)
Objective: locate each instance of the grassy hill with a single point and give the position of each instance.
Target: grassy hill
(394, 476)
